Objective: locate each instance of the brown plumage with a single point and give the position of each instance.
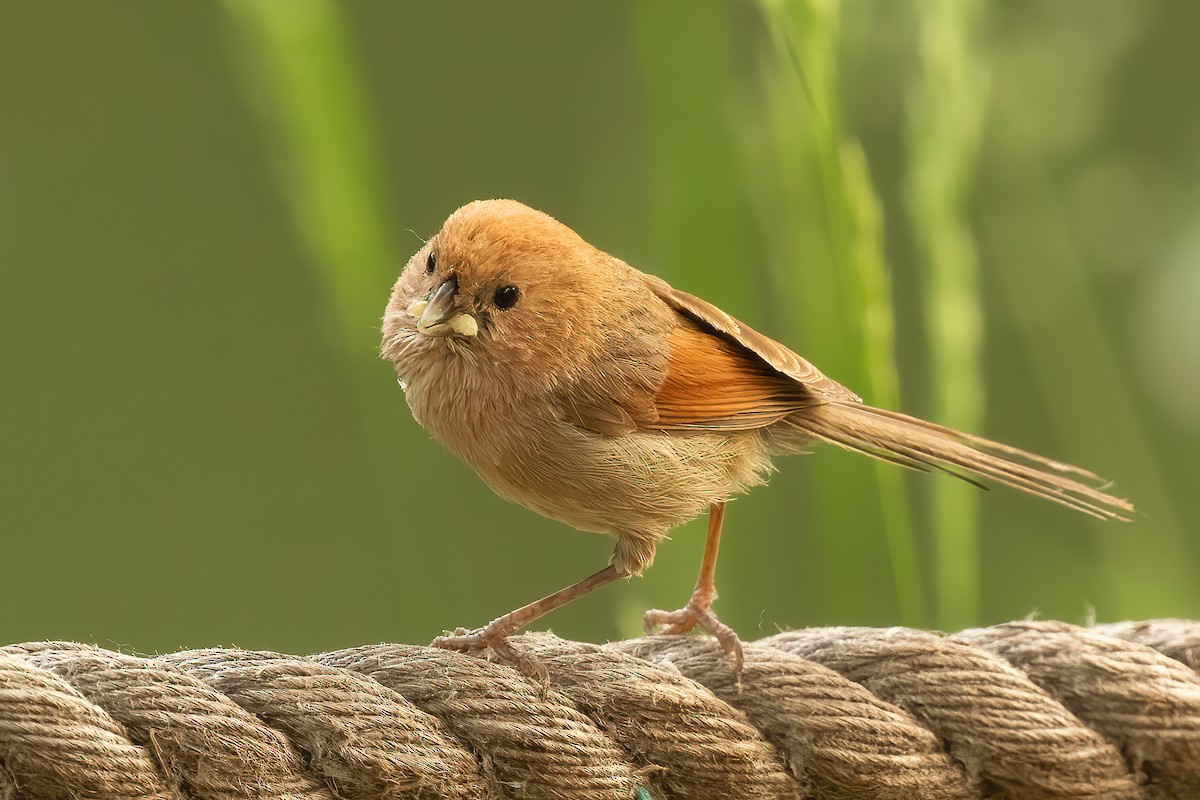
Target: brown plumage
(600, 396)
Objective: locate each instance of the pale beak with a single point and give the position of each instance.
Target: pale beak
(438, 315)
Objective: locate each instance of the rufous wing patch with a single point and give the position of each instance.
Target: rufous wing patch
(711, 382)
(756, 345)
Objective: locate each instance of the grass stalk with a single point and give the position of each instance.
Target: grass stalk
(947, 107)
(805, 34)
(296, 64)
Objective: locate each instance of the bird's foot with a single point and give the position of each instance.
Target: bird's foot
(491, 641)
(696, 613)
(470, 641)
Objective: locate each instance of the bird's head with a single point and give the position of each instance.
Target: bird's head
(501, 288)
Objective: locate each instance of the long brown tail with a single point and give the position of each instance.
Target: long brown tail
(920, 445)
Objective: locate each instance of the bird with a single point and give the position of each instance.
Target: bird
(600, 396)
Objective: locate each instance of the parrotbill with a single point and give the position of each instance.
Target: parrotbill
(600, 396)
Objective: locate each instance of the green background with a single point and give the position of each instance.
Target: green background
(203, 207)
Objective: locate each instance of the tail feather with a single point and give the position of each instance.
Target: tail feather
(921, 445)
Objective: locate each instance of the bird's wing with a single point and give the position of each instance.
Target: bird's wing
(711, 382)
(714, 374)
(604, 411)
(723, 374)
(763, 348)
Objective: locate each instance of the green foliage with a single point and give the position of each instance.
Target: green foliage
(946, 112)
(803, 99)
(297, 64)
(986, 219)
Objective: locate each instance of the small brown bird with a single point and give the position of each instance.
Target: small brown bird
(601, 397)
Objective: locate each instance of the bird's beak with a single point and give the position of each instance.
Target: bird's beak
(439, 315)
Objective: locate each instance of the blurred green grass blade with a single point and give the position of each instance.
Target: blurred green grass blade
(686, 66)
(296, 63)
(840, 520)
(855, 307)
(297, 67)
(872, 294)
(946, 112)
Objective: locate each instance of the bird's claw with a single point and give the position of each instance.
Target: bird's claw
(492, 642)
(688, 618)
(489, 637)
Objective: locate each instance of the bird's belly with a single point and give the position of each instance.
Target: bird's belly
(641, 484)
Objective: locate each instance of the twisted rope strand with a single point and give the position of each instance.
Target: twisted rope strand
(690, 743)
(1003, 729)
(365, 739)
(188, 725)
(1145, 703)
(1022, 711)
(1174, 638)
(841, 742)
(540, 745)
(55, 744)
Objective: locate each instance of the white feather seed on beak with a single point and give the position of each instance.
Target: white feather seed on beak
(464, 325)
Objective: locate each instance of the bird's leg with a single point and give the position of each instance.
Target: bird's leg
(494, 635)
(698, 610)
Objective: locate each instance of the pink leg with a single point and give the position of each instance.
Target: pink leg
(495, 633)
(698, 610)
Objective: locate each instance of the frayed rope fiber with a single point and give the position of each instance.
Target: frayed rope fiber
(1026, 710)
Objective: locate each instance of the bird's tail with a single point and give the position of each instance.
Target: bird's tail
(920, 445)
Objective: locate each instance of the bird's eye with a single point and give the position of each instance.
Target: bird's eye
(506, 296)
(430, 263)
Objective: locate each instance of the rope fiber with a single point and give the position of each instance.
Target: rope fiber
(1029, 710)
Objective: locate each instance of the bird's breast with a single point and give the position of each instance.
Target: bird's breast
(520, 444)
(479, 419)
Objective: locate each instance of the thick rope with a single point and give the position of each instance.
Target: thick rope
(1033, 710)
